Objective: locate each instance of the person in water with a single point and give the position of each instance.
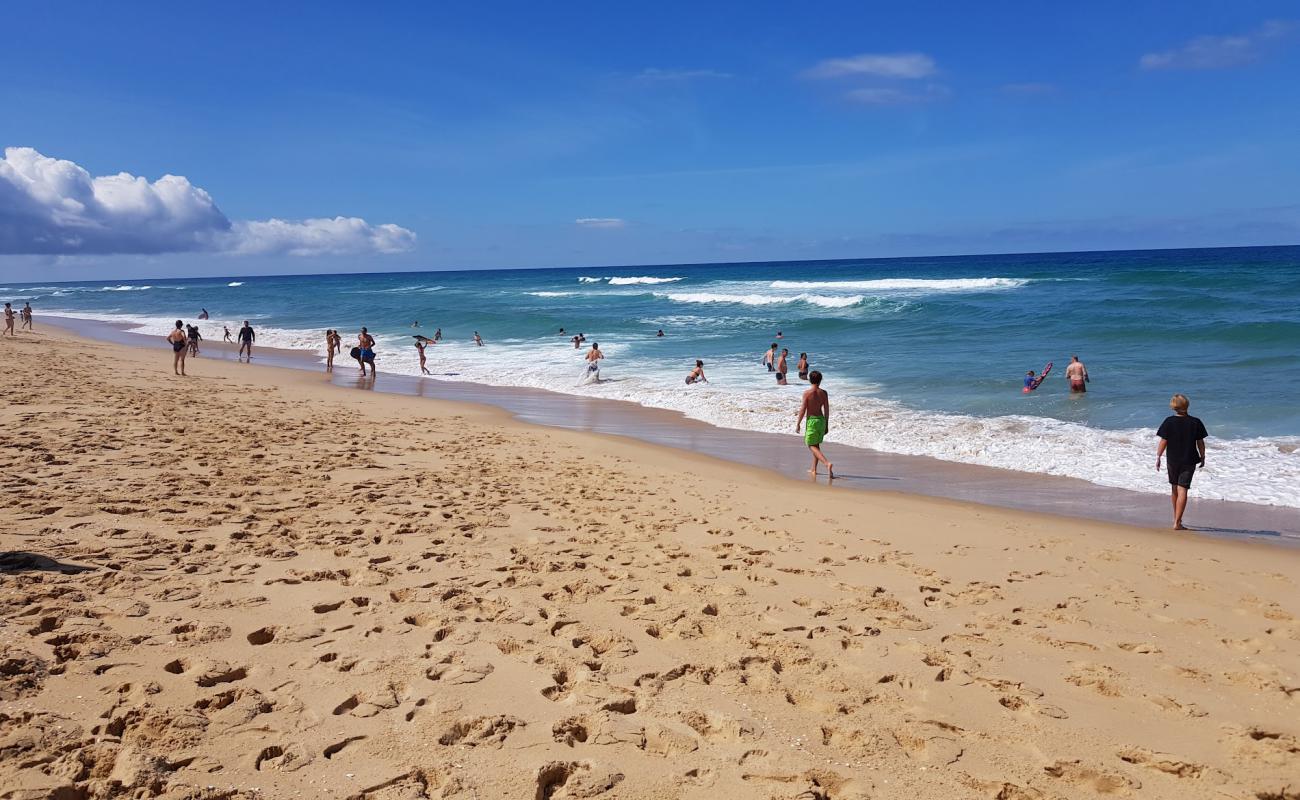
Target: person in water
(1182, 442)
(478, 340)
(577, 343)
(180, 346)
(660, 333)
(769, 358)
(437, 335)
(419, 346)
(1031, 383)
(365, 353)
(594, 357)
(697, 375)
(802, 366)
(1077, 375)
(781, 368)
(246, 338)
(203, 313)
(816, 407)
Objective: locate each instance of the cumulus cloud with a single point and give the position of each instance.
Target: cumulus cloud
(655, 75)
(1216, 52)
(600, 222)
(880, 65)
(50, 206)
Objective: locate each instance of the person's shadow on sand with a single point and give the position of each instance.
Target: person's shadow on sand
(18, 561)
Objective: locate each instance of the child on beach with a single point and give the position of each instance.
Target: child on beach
(816, 407)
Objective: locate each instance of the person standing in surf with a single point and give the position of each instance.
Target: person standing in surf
(366, 351)
(816, 407)
(246, 338)
(781, 368)
(1077, 375)
(27, 316)
(769, 358)
(1182, 442)
(802, 366)
(419, 346)
(593, 357)
(180, 347)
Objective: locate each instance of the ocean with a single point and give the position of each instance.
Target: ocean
(922, 356)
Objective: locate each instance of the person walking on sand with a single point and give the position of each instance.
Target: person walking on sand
(9, 320)
(802, 366)
(781, 368)
(366, 351)
(769, 358)
(1077, 375)
(419, 345)
(226, 338)
(27, 316)
(246, 338)
(1182, 442)
(697, 375)
(180, 346)
(329, 350)
(816, 407)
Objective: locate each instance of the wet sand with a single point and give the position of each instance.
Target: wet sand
(857, 468)
(252, 583)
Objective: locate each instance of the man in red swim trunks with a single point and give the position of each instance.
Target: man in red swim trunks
(1077, 375)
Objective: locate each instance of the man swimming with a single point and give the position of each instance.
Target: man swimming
(781, 368)
(816, 407)
(1077, 375)
(697, 375)
(246, 338)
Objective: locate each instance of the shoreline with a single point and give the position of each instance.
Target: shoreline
(858, 468)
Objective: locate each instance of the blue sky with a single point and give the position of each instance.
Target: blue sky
(546, 134)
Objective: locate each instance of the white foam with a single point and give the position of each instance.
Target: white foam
(907, 284)
(235, 283)
(552, 294)
(633, 280)
(825, 301)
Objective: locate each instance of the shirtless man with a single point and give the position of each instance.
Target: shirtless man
(9, 320)
(246, 338)
(419, 345)
(816, 407)
(1077, 375)
(366, 351)
(781, 368)
(27, 316)
(593, 362)
(769, 358)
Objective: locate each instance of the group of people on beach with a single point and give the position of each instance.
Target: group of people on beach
(11, 316)
(184, 340)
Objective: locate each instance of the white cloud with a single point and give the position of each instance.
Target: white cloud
(881, 65)
(1216, 52)
(50, 206)
(600, 222)
(889, 96)
(655, 75)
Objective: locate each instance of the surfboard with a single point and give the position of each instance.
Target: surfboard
(1039, 380)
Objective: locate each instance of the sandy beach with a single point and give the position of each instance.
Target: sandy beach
(250, 583)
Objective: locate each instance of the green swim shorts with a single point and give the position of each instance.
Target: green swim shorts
(814, 431)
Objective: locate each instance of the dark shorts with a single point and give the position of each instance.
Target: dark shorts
(1181, 474)
(770, 368)
(780, 376)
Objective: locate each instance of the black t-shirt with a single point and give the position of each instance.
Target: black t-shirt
(1182, 434)
(246, 334)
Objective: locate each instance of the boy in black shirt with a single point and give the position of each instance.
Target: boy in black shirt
(1182, 440)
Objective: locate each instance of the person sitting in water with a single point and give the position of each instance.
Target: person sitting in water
(697, 374)
(660, 333)
(1031, 382)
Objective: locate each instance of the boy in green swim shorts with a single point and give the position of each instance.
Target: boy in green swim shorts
(816, 407)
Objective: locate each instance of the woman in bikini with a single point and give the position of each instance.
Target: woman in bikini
(180, 347)
(697, 374)
(802, 366)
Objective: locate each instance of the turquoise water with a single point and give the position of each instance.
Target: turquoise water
(921, 356)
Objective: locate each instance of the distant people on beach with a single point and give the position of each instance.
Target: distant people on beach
(9, 320)
(697, 375)
(180, 346)
(203, 313)
(226, 338)
(195, 337)
(246, 338)
(802, 366)
(769, 358)
(816, 407)
(478, 340)
(26, 314)
(419, 346)
(1182, 443)
(364, 352)
(1077, 375)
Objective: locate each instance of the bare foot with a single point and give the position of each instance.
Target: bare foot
(1178, 526)
(830, 471)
